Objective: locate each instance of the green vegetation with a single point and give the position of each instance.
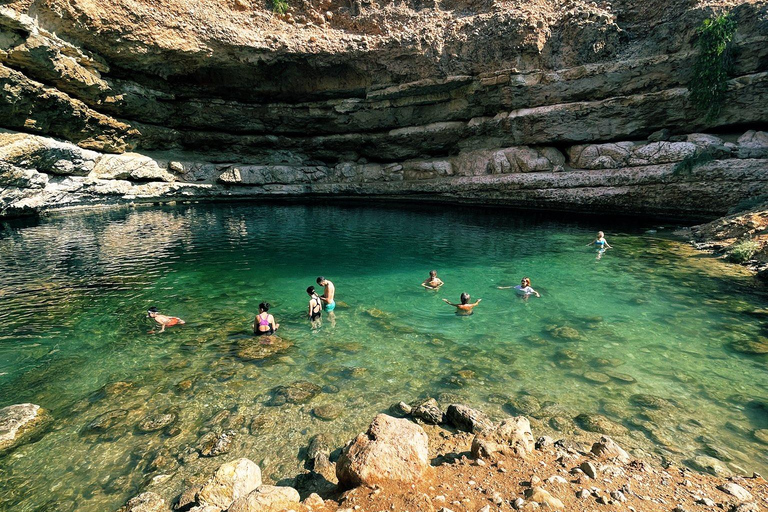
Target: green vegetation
(710, 72)
(748, 204)
(743, 251)
(280, 6)
(686, 166)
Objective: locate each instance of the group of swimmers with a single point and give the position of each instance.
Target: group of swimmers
(264, 323)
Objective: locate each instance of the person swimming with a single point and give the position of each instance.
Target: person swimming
(329, 292)
(315, 306)
(524, 288)
(432, 282)
(163, 320)
(264, 323)
(600, 242)
(465, 308)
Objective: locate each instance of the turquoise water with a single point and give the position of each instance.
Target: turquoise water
(651, 317)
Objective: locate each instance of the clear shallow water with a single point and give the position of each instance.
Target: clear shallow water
(74, 289)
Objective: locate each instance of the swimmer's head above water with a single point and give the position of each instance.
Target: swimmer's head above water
(152, 312)
(263, 307)
(464, 298)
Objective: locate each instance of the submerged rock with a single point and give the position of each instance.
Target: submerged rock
(20, 424)
(299, 392)
(564, 332)
(600, 424)
(649, 401)
(392, 449)
(328, 412)
(213, 444)
(596, 377)
(261, 347)
(757, 345)
(523, 404)
(158, 422)
(105, 422)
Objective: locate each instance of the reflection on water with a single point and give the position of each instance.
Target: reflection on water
(639, 342)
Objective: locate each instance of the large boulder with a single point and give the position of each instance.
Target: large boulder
(427, 411)
(467, 419)
(608, 449)
(19, 424)
(232, 481)
(511, 437)
(753, 144)
(267, 498)
(391, 450)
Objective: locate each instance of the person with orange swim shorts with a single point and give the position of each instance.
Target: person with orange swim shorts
(163, 320)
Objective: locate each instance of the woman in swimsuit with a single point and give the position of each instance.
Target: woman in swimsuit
(163, 320)
(524, 289)
(315, 306)
(264, 323)
(600, 241)
(465, 308)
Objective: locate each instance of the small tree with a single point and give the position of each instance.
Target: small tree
(713, 65)
(280, 6)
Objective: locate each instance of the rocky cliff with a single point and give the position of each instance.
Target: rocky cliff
(561, 104)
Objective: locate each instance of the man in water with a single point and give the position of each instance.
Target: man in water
(329, 291)
(465, 308)
(163, 320)
(432, 282)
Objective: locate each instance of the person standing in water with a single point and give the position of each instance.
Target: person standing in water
(315, 307)
(432, 282)
(163, 320)
(465, 308)
(600, 242)
(329, 292)
(264, 323)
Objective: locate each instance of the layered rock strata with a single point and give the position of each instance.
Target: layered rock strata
(540, 105)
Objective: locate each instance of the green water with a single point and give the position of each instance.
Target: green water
(74, 289)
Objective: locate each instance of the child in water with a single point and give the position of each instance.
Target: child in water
(163, 320)
(600, 241)
(432, 282)
(524, 288)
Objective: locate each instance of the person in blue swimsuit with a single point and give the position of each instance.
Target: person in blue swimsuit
(600, 243)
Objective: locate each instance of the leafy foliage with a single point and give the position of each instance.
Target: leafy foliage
(710, 72)
(743, 251)
(280, 6)
(686, 166)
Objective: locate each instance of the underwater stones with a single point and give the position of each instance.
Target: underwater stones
(596, 377)
(111, 390)
(620, 377)
(707, 464)
(606, 362)
(649, 401)
(600, 424)
(267, 498)
(262, 347)
(567, 358)
(562, 424)
(511, 437)
(400, 410)
(391, 449)
(563, 332)
(318, 450)
(328, 412)
(427, 411)
(156, 422)
(523, 405)
(105, 422)
(144, 502)
(19, 424)
(231, 481)
(467, 419)
(756, 346)
(214, 444)
(761, 435)
(299, 392)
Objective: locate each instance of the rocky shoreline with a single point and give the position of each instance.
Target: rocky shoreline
(468, 464)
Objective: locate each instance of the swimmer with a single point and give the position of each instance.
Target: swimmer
(315, 307)
(163, 320)
(264, 323)
(432, 282)
(600, 241)
(524, 288)
(329, 292)
(465, 308)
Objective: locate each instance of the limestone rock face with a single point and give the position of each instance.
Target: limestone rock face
(19, 423)
(391, 450)
(232, 481)
(511, 437)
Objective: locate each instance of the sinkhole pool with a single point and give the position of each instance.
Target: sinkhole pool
(644, 340)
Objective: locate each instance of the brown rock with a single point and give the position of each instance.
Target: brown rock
(511, 437)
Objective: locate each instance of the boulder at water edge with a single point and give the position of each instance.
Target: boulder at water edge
(232, 481)
(607, 448)
(144, 502)
(267, 498)
(391, 450)
(467, 419)
(19, 424)
(511, 437)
